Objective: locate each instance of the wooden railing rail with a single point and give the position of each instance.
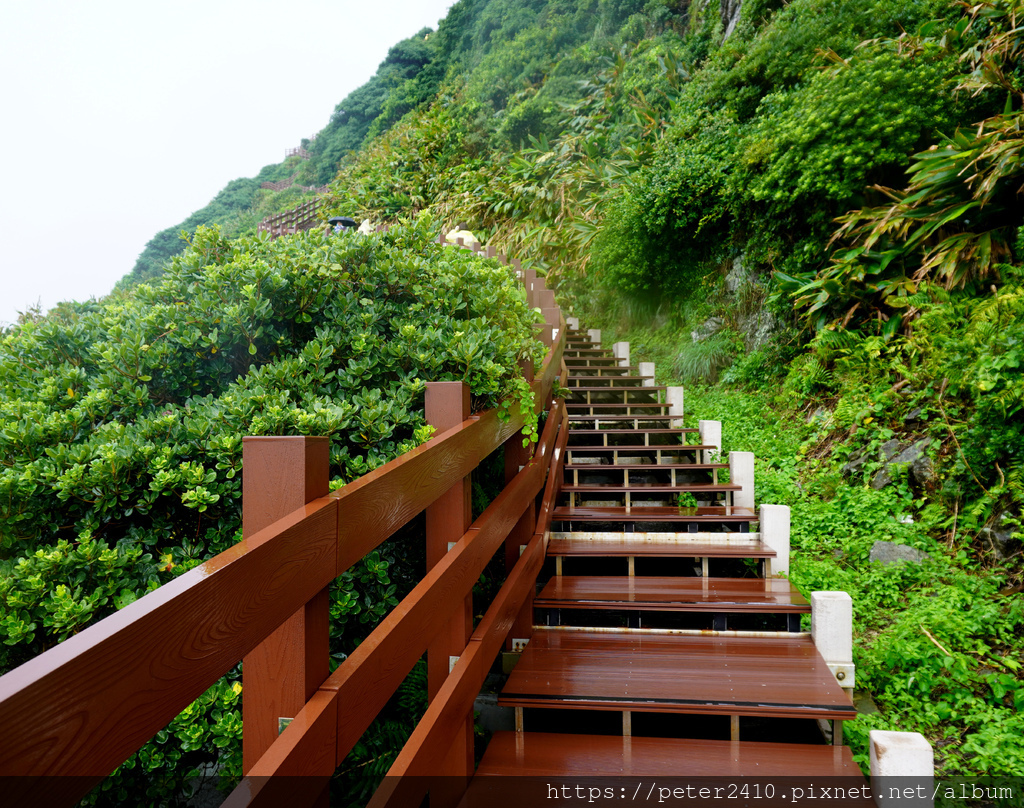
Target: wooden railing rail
(76, 712)
(355, 693)
(423, 753)
(304, 217)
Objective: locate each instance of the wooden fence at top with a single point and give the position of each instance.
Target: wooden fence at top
(76, 712)
(304, 217)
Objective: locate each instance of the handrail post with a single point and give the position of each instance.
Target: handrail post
(447, 404)
(517, 456)
(280, 475)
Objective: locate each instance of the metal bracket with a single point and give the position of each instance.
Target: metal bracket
(844, 672)
(452, 662)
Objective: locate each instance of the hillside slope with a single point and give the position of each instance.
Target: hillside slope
(809, 212)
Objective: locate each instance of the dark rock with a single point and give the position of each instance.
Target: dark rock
(888, 552)
(854, 464)
(708, 328)
(737, 276)
(890, 448)
(998, 535)
(913, 418)
(922, 471)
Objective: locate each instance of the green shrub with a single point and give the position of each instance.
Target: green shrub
(121, 422)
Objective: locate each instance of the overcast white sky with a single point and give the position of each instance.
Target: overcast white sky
(119, 118)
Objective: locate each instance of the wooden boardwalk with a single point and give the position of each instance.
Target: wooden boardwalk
(628, 465)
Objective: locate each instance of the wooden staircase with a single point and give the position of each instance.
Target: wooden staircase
(660, 609)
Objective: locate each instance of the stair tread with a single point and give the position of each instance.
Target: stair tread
(635, 447)
(642, 466)
(652, 417)
(550, 754)
(653, 513)
(662, 546)
(652, 430)
(773, 677)
(659, 487)
(775, 595)
(635, 389)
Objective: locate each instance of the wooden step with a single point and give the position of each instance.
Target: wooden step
(650, 593)
(738, 517)
(650, 487)
(636, 450)
(546, 755)
(582, 438)
(672, 673)
(602, 371)
(578, 362)
(598, 419)
(659, 544)
(630, 493)
(610, 467)
(589, 393)
(572, 378)
(636, 405)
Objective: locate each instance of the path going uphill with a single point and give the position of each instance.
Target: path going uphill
(664, 635)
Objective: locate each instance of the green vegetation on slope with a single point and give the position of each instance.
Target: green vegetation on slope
(820, 210)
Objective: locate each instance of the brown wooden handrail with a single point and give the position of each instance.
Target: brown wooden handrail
(424, 751)
(355, 693)
(76, 712)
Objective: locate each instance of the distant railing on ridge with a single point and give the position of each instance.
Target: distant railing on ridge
(303, 217)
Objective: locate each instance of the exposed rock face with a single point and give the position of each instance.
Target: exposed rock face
(998, 535)
(922, 471)
(730, 10)
(737, 276)
(708, 328)
(888, 552)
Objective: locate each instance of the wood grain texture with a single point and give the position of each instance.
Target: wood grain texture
(672, 673)
(770, 595)
(85, 706)
(557, 754)
(299, 764)
(424, 751)
(653, 513)
(280, 474)
(374, 670)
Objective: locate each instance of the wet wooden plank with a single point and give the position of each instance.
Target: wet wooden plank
(557, 754)
(655, 488)
(770, 595)
(654, 514)
(676, 674)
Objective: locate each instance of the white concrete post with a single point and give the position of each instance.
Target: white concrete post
(620, 350)
(595, 335)
(572, 323)
(741, 472)
(710, 434)
(676, 406)
(647, 369)
(775, 534)
(832, 632)
(899, 755)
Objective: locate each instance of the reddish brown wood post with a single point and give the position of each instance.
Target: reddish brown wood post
(447, 404)
(280, 475)
(517, 456)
